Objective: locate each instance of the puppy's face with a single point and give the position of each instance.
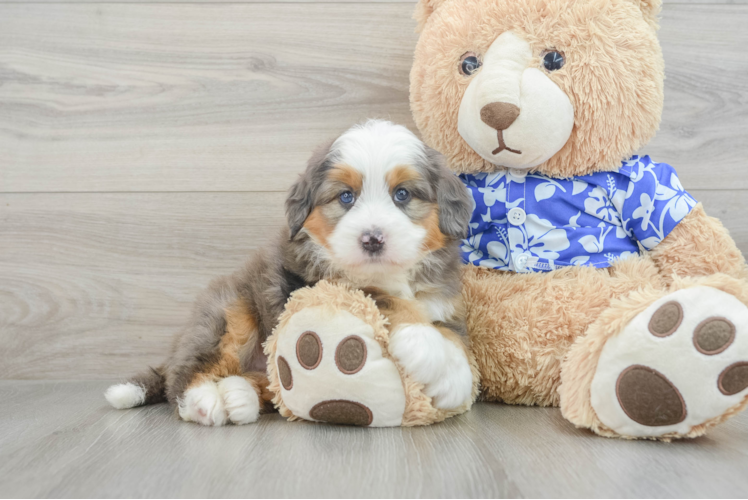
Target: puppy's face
(377, 200)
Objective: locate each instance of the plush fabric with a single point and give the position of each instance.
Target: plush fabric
(378, 394)
(522, 325)
(539, 338)
(617, 94)
(581, 364)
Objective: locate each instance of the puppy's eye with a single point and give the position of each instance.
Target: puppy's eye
(553, 60)
(402, 195)
(346, 198)
(469, 63)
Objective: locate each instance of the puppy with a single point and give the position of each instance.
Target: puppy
(376, 209)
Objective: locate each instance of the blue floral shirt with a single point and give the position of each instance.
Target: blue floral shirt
(529, 222)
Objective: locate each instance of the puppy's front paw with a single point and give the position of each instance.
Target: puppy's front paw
(232, 399)
(437, 363)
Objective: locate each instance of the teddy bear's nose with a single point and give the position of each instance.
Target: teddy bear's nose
(499, 115)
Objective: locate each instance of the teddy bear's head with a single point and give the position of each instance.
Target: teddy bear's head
(562, 87)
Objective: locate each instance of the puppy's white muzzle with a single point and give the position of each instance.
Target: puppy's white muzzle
(397, 240)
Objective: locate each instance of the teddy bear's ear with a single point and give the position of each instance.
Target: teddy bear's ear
(650, 10)
(424, 9)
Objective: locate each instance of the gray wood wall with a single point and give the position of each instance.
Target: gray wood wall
(145, 148)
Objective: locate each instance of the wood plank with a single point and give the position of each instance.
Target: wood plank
(712, 2)
(85, 449)
(160, 97)
(94, 285)
(118, 97)
(705, 120)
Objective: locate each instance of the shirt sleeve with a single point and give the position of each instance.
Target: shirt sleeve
(655, 201)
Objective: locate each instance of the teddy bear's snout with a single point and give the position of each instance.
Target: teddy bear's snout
(499, 115)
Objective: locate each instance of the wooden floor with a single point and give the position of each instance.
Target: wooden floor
(60, 439)
(145, 147)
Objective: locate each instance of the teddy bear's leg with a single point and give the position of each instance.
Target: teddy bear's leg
(662, 363)
(332, 358)
(327, 361)
(523, 325)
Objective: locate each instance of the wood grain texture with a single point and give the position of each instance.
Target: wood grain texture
(159, 97)
(227, 97)
(715, 2)
(705, 120)
(86, 449)
(94, 285)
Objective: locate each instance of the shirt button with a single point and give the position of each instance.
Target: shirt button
(517, 216)
(518, 172)
(520, 261)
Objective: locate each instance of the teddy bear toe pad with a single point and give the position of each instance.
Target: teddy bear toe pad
(680, 363)
(331, 369)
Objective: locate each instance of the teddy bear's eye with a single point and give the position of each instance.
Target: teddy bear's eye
(553, 60)
(469, 63)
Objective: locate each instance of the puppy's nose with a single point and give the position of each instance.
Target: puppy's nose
(372, 241)
(499, 115)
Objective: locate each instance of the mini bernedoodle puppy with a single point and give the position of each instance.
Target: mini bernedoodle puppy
(376, 209)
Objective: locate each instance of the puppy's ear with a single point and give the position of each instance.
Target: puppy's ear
(301, 196)
(455, 207)
(298, 204)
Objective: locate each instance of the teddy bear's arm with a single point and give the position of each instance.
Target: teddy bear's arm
(699, 246)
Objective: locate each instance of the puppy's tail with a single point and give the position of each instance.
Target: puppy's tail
(146, 388)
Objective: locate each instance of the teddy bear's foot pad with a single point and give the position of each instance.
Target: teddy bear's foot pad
(342, 412)
(679, 364)
(332, 369)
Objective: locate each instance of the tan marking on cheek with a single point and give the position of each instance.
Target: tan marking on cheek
(401, 174)
(318, 226)
(434, 239)
(348, 176)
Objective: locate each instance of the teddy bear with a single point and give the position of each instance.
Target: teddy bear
(593, 280)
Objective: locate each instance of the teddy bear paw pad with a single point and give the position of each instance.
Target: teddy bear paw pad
(342, 412)
(679, 364)
(332, 369)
